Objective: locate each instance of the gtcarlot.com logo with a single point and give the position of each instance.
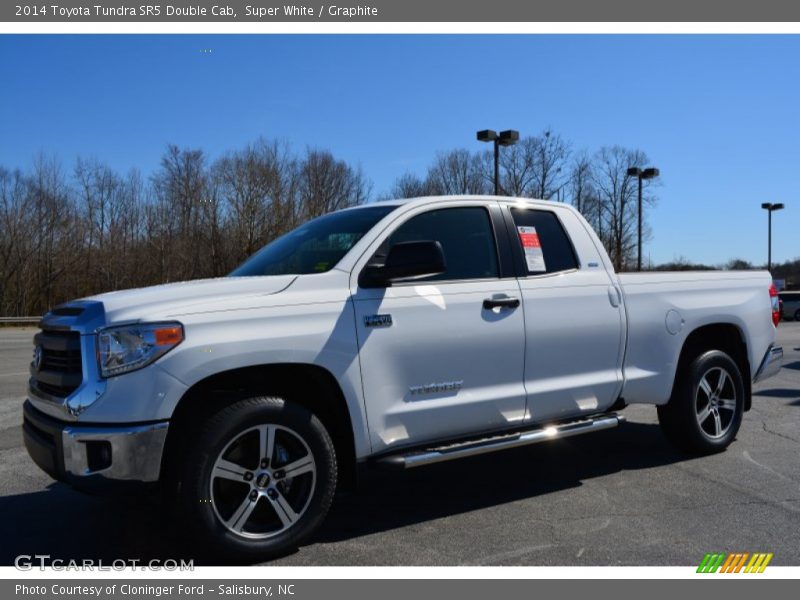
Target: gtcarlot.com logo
(28, 562)
(736, 562)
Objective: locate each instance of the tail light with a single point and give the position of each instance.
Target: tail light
(776, 304)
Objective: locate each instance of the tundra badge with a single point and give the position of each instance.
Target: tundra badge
(378, 321)
(437, 388)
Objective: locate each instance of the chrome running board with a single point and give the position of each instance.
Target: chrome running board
(473, 447)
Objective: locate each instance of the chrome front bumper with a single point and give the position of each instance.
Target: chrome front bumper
(86, 455)
(770, 365)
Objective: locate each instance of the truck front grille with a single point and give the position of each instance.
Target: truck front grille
(57, 369)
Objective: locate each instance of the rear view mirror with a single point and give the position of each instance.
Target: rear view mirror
(406, 260)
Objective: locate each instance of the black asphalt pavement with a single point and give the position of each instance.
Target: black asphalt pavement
(618, 497)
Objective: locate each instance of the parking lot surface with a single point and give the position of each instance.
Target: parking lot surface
(618, 497)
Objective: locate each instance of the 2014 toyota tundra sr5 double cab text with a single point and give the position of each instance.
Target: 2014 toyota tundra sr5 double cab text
(400, 333)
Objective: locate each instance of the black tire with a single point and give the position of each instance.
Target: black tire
(228, 433)
(680, 419)
(797, 315)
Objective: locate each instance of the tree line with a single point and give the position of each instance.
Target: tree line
(788, 271)
(72, 232)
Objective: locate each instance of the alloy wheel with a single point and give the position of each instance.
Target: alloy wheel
(715, 402)
(262, 481)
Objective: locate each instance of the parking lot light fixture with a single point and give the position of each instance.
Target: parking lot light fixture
(770, 208)
(509, 137)
(641, 174)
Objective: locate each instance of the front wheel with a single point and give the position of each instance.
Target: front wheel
(797, 315)
(705, 410)
(259, 479)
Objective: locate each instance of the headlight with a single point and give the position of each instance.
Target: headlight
(124, 349)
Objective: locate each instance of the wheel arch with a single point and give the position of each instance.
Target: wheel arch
(728, 338)
(311, 386)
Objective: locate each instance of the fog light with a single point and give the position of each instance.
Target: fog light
(98, 455)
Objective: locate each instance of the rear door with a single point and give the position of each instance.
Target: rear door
(574, 320)
(436, 363)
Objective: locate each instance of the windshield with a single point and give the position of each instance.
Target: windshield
(314, 247)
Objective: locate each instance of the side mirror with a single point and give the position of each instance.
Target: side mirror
(406, 260)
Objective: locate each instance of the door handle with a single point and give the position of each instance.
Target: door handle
(613, 296)
(491, 303)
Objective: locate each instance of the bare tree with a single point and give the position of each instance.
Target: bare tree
(17, 242)
(580, 188)
(738, 264)
(257, 188)
(181, 187)
(409, 185)
(618, 191)
(584, 195)
(517, 169)
(98, 189)
(327, 184)
(549, 154)
(126, 232)
(456, 172)
(53, 229)
(535, 167)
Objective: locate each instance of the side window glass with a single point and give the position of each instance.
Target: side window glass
(466, 236)
(544, 242)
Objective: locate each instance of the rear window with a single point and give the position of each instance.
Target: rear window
(544, 242)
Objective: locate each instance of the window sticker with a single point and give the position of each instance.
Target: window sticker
(533, 249)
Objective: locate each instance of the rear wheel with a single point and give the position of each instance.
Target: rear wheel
(797, 315)
(705, 410)
(259, 478)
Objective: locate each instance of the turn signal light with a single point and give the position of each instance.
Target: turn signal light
(169, 336)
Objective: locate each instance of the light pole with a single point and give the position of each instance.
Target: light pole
(770, 208)
(504, 138)
(640, 174)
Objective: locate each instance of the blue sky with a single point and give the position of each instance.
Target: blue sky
(717, 114)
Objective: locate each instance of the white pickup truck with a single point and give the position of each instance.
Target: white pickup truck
(400, 333)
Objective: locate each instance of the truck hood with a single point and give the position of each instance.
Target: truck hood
(162, 301)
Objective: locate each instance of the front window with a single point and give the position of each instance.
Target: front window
(314, 247)
(465, 234)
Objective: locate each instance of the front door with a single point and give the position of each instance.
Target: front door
(435, 361)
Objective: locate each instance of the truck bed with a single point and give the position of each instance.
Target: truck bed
(663, 306)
